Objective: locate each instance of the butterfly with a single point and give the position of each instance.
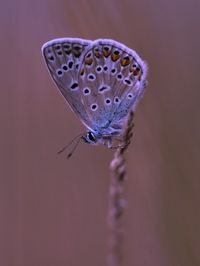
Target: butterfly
(102, 80)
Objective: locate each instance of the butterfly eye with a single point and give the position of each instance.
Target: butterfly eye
(90, 137)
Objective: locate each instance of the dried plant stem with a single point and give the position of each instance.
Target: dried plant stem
(116, 201)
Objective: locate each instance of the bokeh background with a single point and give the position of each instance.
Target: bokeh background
(52, 210)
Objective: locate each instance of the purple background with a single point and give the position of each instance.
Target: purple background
(52, 210)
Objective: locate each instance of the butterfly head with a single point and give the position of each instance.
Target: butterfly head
(90, 137)
(97, 138)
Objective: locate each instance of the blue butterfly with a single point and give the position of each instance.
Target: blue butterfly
(101, 80)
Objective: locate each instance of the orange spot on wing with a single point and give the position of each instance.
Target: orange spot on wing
(125, 61)
(115, 57)
(77, 51)
(82, 71)
(106, 51)
(96, 53)
(88, 61)
(136, 71)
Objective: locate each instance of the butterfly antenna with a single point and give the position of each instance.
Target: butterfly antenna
(69, 144)
(74, 148)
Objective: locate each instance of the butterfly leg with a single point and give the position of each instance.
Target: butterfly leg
(109, 141)
(119, 146)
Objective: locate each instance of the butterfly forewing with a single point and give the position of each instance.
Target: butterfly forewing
(64, 58)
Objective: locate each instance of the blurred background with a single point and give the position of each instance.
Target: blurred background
(52, 210)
